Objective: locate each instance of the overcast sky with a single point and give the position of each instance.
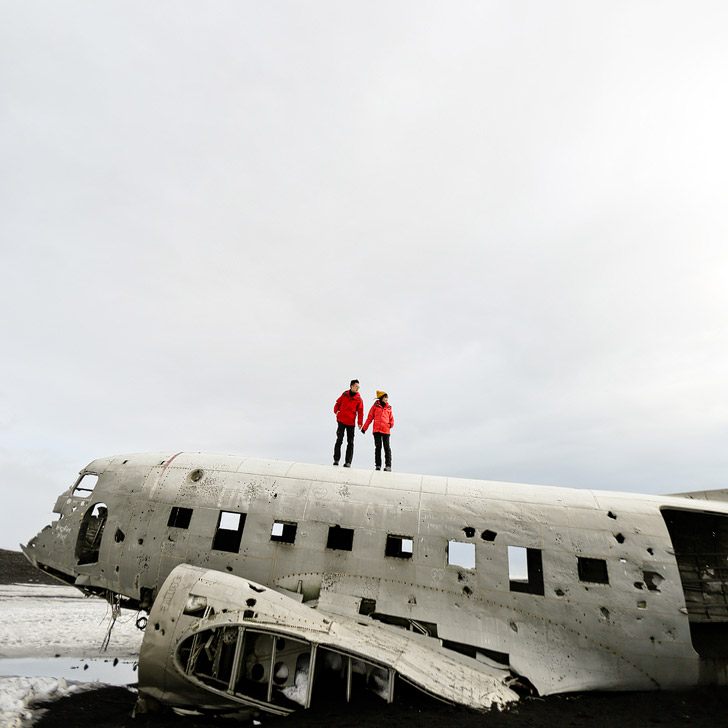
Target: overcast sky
(509, 215)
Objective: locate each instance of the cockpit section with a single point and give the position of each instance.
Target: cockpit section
(77, 495)
(74, 538)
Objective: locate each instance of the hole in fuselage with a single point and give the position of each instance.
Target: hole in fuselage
(90, 533)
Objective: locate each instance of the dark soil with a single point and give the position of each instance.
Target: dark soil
(111, 707)
(16, 569)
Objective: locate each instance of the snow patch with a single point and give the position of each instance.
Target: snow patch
(19, 694)
(299, 690)
(39, 620)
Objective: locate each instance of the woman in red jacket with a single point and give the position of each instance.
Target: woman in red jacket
(381, 414)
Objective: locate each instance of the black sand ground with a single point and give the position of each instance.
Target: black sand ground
(16, 569)
(111, 707)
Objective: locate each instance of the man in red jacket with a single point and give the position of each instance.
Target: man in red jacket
(346, 409)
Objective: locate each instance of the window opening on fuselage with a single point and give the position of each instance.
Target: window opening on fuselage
(399, 546)
(525, 570)
(283, 532)
(593, 570)
(340, 539)
(461, 554)
(85, 485)
(179, 517)
(229, 532)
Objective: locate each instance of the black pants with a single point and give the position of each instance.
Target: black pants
(381, 439)
(340, 428)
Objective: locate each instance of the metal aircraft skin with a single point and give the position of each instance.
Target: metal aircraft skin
(266, 582)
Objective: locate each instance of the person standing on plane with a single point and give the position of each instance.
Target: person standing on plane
(347, 408)
(381, 414)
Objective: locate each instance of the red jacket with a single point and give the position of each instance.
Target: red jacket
(347, 408)
(382, 416)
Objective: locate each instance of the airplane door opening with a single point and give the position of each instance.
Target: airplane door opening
(90, 533)
(700, 541)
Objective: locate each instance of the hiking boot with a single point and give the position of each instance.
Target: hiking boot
(378, 467)
(336, 462)
(388, 468)
(347, 465)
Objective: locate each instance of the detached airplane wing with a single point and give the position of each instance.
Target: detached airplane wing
(217, 641)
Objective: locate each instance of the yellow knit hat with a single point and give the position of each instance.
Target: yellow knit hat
(381, 394)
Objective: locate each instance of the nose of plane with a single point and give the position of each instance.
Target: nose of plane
(28, 553)
(42, 552)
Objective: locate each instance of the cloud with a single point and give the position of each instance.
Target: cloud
(510, 218)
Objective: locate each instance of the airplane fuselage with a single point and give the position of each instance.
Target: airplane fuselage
(572, 589)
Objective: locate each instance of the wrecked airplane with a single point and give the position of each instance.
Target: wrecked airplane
(268, 584)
